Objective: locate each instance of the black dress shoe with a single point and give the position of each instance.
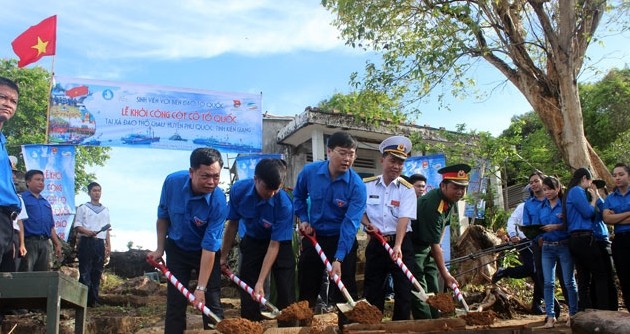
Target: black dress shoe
(538, 309)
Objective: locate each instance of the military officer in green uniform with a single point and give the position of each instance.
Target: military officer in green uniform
(434, 214)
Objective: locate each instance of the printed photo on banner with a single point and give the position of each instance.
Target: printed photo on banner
(101, 113)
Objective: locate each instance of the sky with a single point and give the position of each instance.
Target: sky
(287, 50)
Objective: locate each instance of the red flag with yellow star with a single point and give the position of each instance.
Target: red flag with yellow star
(36, 42)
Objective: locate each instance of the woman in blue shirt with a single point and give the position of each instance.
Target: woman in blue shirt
(555, 249)
(617, 213)
(580, 212)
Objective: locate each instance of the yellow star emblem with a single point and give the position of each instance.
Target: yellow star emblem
(40, 46)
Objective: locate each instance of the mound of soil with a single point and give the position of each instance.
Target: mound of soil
(442, 302)
(238, 326)
(485, 318)
(296, 311)
(365, 313)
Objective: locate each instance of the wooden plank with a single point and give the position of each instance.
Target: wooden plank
(408, 325)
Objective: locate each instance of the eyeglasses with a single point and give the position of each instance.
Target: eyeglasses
(346, 154)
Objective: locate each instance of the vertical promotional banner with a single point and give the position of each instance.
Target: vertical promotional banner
(102, 113)
(57, 164)
(246, 164)
(476, 189)
(427, 166)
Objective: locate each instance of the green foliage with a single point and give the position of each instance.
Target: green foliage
(28, 126)
(367, 106)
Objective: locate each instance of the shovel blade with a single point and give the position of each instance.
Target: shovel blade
(344, 307)
(423, 296)
(269, 315)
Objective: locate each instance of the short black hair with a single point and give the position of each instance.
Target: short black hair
(92, 185)
(6, 82)
(29, 175)
(417, 177)
(341, 139)
(205, 156)
(271, 171)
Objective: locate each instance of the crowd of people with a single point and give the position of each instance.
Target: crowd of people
(571, 239)
(197, 226)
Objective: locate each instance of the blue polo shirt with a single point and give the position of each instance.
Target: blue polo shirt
(600, 230)
(552, 215)
(270, 219)
(8, 194)
(580, 212)
(531, 211)
(336, 206)
(196, 221)
(618, 203)
(40, 216)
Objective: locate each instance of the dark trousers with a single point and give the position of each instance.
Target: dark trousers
(621, 255)
(378, 264)
(606, 252)
(310, 268)
(591, 271)
(91, 260)
(253, 253)
(10, 261)
(181, 263)
(6, 236)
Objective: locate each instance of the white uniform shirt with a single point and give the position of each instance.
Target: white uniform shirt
(92, 217)
(516, 218)
(21, 216)
(385, 204)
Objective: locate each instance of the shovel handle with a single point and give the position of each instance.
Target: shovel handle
(459, 296)
(259, 298)
(191, 297)
(377, 234)
(329, 268)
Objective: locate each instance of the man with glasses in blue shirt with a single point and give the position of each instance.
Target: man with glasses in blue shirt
(191, 214)
(337, 195)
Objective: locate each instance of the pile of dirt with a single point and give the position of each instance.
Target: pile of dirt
(296, 312)
(365, 313)
(238, 326)
(485, 318)
(442, 302)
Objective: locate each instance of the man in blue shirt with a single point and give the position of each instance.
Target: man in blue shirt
(39, 227)
(337, 194)
(267, 213)
(190, 220)
(9, 202)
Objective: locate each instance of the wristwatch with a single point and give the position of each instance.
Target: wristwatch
(201, 288)
(338, 260)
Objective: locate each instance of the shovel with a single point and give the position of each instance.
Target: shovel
(460, 298)
(421, 294)
(344, 308)
(191, 297)
(260, 299)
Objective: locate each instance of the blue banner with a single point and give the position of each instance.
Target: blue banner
(101, 113)
(57, 164)
(246, 164)
(427, 166)
(476, 189)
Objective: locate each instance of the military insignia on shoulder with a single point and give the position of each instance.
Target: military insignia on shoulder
(405, 182)
(370, 179)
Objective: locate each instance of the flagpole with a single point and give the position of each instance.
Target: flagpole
(50, 84)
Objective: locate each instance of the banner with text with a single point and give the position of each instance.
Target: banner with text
(246, 164)
(428, 166)
(101, 113)
(57, 164)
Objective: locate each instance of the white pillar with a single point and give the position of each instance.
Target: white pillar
(319, 147)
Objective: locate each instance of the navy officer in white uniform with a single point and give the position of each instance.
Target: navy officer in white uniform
(391, 205)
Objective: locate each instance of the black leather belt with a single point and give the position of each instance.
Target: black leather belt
(37, 237)
(555, 243)
(582, 233)
(390, 238)
(9, 212)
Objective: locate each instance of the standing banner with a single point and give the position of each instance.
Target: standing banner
(57, 164)
(246, 164)
(477, 190)
(428, 166)
(102, 113)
